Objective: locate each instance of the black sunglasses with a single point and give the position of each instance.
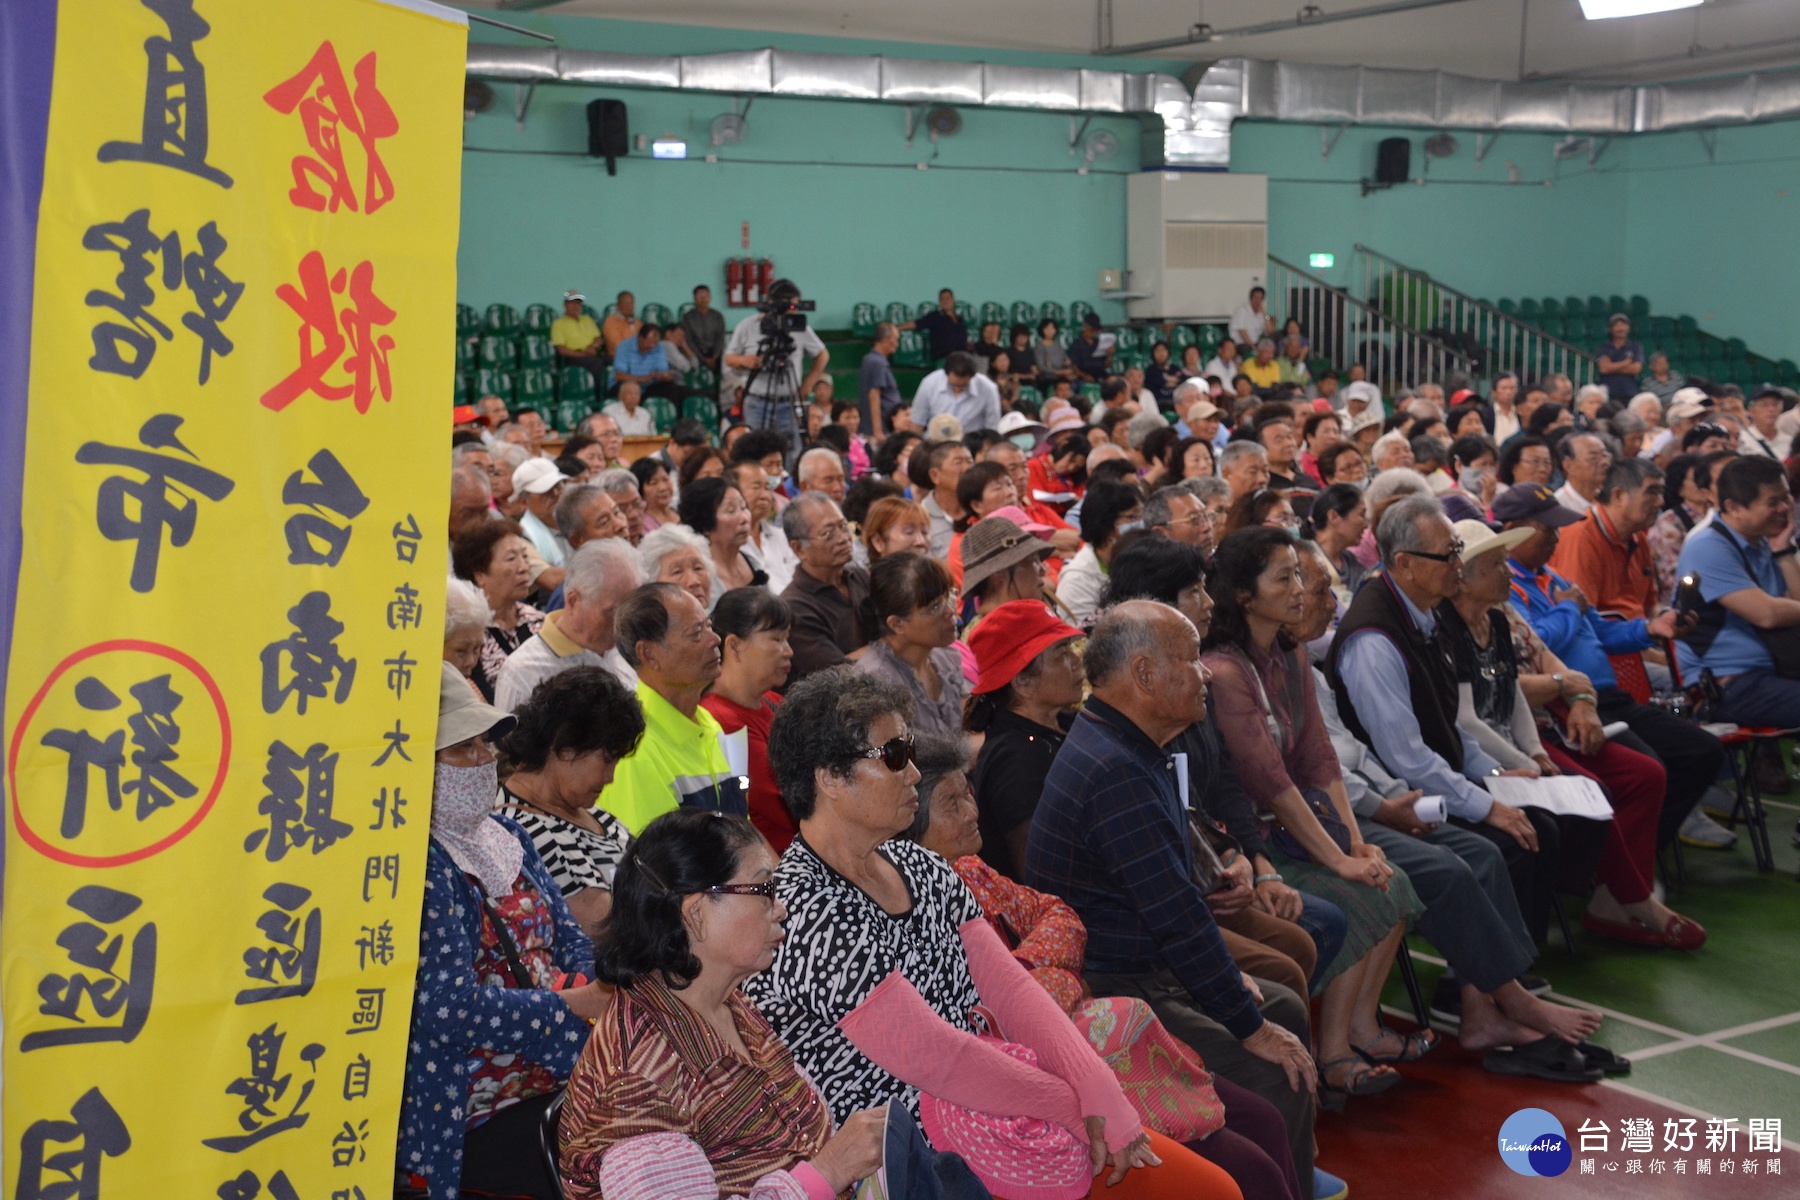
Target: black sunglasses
(1455, 552)
(894, 754)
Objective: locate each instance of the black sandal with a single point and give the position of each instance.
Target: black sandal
(1368, 1081)
(1608, 1062)
(1413, 1047)
(1551, 1058)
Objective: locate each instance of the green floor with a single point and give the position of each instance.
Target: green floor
(1717, 1031)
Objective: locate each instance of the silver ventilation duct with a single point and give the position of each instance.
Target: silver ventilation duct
(1195, 114)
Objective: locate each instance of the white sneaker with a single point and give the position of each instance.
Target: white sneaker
(1702, 831)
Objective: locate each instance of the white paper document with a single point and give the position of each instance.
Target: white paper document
(1564, 795)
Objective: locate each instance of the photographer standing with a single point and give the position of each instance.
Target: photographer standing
(771, 354)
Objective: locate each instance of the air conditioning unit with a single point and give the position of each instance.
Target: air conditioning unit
(1197, 242)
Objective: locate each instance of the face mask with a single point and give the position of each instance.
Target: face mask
(462, 797)
(1471, 479)
(1129, 527)
(1024, 441)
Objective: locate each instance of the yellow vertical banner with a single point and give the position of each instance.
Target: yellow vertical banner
(222, 690)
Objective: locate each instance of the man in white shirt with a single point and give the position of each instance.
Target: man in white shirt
(541, 485)
(1763, 436)
(1585, 460)
(769, 399)
(580, 634)
(1224, 365)
(1249, 322)
(958, 389)
(628, 411)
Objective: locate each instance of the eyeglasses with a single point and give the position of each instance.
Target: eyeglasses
(894, 753)
(944, 605)
(765, 889)
(1455, 552)
(828, 532)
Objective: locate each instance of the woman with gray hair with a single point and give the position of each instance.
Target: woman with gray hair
(1382, 493)
(675, 554)
(507, 457)
(466, 618)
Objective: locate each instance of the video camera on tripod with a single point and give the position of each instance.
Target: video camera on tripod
(783, 314)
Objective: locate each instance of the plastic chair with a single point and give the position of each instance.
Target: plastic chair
(1079, 311)
(1638, 307)
(490, 381)
(1127, 339)
(994, 311)
(536, 388)
(535, 351)
(1023, 313)
(467, 320)
(1529, 310)
(550, 1143)
(898, 313)
(1508, 308)
(662, 411)
(686, 307)
(1550, 306)
(966, 311)
(460, 389)
(1614, 304)
(863, 319)
(538, 318)
(1575, 306)
(701, 380)
(502, 319)
(923, 307)
(1180, 338)
(656, 314)
(1091, 390)
(702, 409)
(913, 350)
(1027, 392)
(498, 352)
(1687, 325)
(465, 354)
(1741, 747)
(575, 383)
(1050, 310)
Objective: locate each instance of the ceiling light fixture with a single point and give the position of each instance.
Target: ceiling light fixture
(1605, 10)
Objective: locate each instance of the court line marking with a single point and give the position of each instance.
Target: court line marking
(1641, 1093)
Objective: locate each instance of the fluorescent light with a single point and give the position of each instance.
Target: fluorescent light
(668, 147)
(1321, 260)
(1603, 10)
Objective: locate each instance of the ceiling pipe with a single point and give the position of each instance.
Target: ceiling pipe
(1200, 35)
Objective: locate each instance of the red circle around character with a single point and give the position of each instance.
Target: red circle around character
(44, 847)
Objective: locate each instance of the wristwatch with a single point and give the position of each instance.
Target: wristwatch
(1557, 679)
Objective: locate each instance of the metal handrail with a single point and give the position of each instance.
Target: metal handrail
(1345, 329)
(1519, 345)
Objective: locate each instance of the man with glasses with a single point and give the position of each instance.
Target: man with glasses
(1565, 618)
(1396, 689)
(1178, 513)
(827, 593)
(1584, 461)
(666, 637)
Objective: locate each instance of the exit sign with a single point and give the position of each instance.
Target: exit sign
(1321, 260)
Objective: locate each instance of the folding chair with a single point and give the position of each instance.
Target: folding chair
(549, 1144)
(1741, 747)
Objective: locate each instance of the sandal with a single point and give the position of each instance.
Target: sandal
(1550, 1058)
(1413, 1047)
(1679, 933)
(1367, 1080)
(1599, 1056)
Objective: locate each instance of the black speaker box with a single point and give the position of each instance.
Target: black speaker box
(1393, 160)
(609, 137)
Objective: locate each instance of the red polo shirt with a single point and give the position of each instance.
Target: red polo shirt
(1616, 573)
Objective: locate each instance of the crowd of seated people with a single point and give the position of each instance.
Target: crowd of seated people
(1127, 707)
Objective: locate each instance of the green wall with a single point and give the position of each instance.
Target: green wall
(830, 189)
(834, 195)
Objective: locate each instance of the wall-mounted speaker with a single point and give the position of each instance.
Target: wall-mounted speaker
(609, 136)
(1393, 160)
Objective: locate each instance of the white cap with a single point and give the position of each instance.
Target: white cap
(1013, 422)
(537, 476)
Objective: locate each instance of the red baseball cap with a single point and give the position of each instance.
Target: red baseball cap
(1010, 637)
(463, 414)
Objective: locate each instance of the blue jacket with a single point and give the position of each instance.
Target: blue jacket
(454, 1013)
(1581, 639)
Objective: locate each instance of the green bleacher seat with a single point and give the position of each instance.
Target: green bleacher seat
(502, 319)
(966, 311)
(536, 388)
(461, 388)
(490, 381)
(467, 320)
(1089, 389)
(656, 314)
(1124, 360)
(1315, 366)
(684, 308)
(465, 355)
(921, 308)
(1575, 306)
(1509, 308)
(913, 350)
(1616, 304)
(1550, 306)
(701, 380)
(1078, 311)
(1735, 347)
(1787, 373)
(1127, 339)
(568, 413)
(993, 311)
(898, 313)
(498, 352)
(1065, 335)
(535, 351)
(575, 383)
(1661, 330)
(1180, 338)
(863, 319)
(1552, 326)
(1529, 311)
(538, 318)
(662, 411)
(1027, 392)
(702, 409)
(588, 310)
(608, 311)
(1022, 313)
(1638, 307)
(1687, 326)
(1050, 310)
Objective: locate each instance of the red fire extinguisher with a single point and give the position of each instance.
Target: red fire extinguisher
(753, 292)
(767, 268)
(734, 283)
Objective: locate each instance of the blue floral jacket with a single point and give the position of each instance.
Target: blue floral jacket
(454, 1013)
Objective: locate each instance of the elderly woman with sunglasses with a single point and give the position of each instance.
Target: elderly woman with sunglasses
(680, 1050)
(502, 1009)
(888, 954)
